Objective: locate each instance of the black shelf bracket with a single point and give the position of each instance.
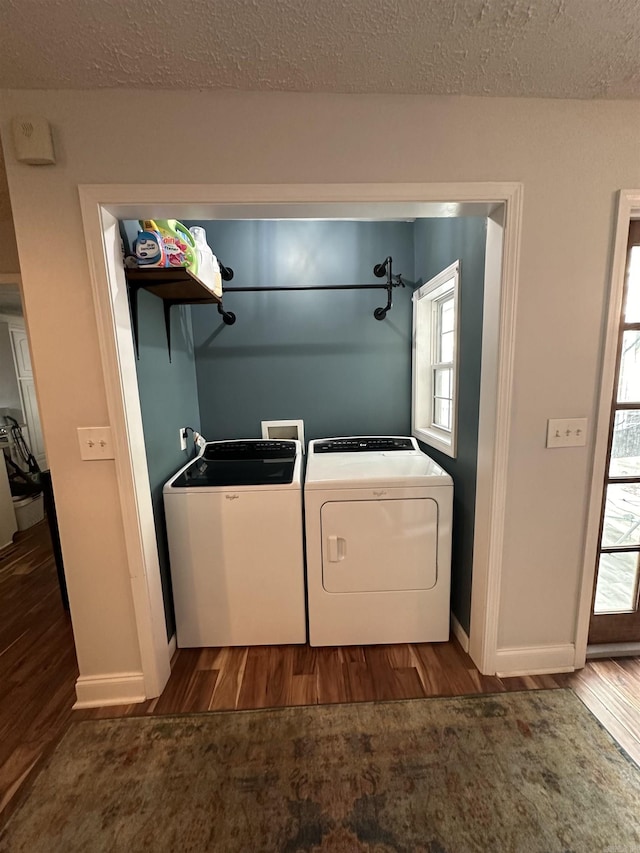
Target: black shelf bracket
(133, 310)
(177, 286)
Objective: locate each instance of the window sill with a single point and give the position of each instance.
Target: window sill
(437, 441)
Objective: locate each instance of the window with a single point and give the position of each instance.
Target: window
(435, 360)
(618, 584)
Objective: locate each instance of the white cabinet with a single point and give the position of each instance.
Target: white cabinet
(22, 374)
(32, 418)
(21, 355)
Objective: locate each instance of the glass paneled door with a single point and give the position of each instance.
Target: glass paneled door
(615, 616)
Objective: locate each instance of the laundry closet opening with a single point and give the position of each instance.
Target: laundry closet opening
(319, 356)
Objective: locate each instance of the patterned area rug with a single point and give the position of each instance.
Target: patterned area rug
(511, 772)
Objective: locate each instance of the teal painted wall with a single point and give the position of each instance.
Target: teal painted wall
(438, 243)
(320, 355)
(169, 401)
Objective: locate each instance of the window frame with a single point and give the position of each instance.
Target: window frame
(426, 300)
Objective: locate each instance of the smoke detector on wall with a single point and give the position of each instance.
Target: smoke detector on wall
(32, 140)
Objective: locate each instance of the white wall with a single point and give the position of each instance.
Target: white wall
(571, 157)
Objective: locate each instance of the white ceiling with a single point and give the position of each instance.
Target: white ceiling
(531, 48)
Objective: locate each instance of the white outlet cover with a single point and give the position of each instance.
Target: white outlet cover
(95, 443)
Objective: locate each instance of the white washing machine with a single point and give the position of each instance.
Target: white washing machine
(378, 524)
(234, 525)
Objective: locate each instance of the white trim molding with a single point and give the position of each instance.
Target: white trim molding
(459, 633)
(628, 209)
(423, 344)
(502, 265)
(535, 660)
(103, 205)
(123, 401)
(123, 688)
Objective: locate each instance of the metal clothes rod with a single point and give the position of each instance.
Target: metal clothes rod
(379, 270)
(307, 287)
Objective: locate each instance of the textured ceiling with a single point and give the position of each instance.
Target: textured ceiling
(543, 48)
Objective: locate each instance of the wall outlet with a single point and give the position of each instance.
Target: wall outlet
(567, 432)
(182, 434)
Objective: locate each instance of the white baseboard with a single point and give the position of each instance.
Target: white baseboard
(535, 660)
(125, 688)
(172, 648)
(459, 633)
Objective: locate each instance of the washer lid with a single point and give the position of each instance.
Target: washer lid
(246, 462)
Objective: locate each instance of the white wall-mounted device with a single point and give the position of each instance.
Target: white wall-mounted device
(284, 430)
(32, 140)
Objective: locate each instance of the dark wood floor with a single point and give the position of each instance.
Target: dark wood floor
(38, 671)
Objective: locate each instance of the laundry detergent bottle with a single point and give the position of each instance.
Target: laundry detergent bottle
(179, 245)
(149, 245)
(208, 267)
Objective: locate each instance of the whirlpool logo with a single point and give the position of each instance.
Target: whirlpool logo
(232, 497)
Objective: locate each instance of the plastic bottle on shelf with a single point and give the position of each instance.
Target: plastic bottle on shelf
(179, 245)
(149, 246)
(208, 267)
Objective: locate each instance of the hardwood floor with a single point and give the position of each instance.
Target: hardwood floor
(38, 671)
(38, 665)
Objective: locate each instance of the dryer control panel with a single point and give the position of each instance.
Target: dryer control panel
(364, 444)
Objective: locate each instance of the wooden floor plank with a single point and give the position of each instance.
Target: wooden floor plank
(331, 681)
(358, 680)
(253, 689)
(409, 684)
(171, 700)
(435, 678)
(620, 679)
(280, 673)
(305, 660)
(601, 682)
(227, 688)
(199, 691)
(304, 690)
(388, 684)
(599, 707)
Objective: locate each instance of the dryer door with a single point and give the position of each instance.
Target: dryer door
(379, 546)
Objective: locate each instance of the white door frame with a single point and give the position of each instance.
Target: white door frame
(103, 205)
(628, 209)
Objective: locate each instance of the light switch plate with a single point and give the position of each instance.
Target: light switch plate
(567, 432)
(95, 443)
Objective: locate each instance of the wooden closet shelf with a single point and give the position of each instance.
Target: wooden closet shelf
(174, 284)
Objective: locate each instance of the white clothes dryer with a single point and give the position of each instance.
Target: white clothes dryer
(378, 526)
(234, 526)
